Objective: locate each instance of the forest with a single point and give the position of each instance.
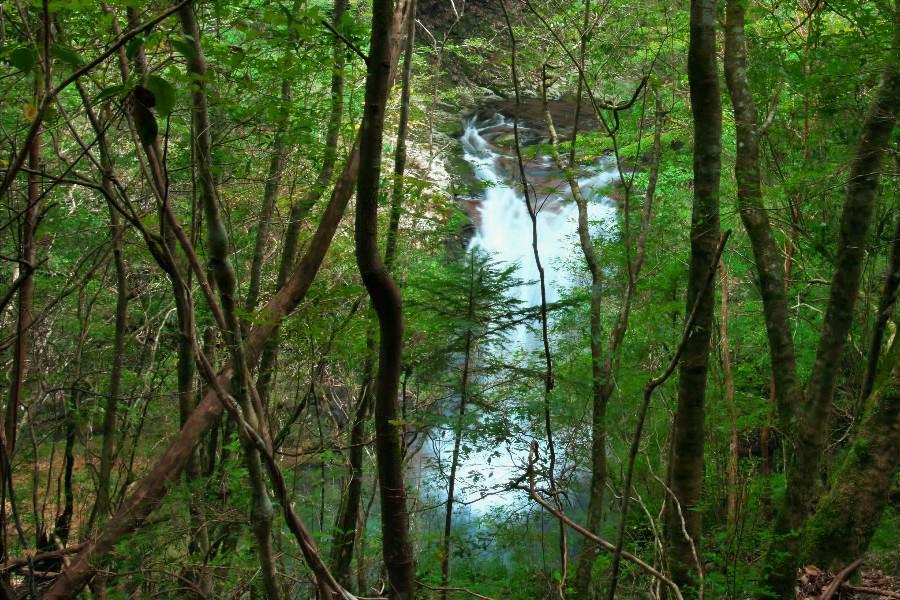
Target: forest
(448, 299)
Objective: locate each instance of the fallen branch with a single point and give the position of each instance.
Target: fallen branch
(861, 589)
(435, 588)
(835, 584)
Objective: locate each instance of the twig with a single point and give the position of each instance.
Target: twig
(346, 40)
(17, 163)
(588, 534)
(452, 589)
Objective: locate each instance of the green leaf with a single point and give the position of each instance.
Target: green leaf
(134, 46)
(23, 58)
(67, 55)
(185, 47)
(110, 92)
(163, 92)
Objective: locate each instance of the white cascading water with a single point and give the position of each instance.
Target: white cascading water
(504, 233)
(505, 229)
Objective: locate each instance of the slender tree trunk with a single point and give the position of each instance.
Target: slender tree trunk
(458, 436)
(600, 375)
(270, 195)
(886, 305)
(102, 507)
(301, 208)
(386, 300)
(728, 375)
(768, 258)
(390, 250)
(686, 463)
(261, 512)
(349, 515)
(545, 336)
(24, 318)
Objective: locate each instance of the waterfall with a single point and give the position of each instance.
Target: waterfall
(504, 232)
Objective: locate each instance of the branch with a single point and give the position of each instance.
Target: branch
(832, 588)
(435, 588)
(17, 163)
(588, 534)
(648, 393)
(346, 40)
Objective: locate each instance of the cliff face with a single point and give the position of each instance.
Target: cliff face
(478, 16)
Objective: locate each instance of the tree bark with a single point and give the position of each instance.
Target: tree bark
(110, 414)
(390, 249)
(811, 433)
(387, 23)
(728, 376)
(859, 205)
(150, 491)
(261, 511)
(687, 461)
(270, 195)
(542, 280)
(768, 258)
(885, 308)
(349, 515)
(846, 518)
(458, 436)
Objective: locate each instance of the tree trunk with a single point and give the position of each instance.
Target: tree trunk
(811, 433)
(102, 507)
(728, 376)
(348, 518)
(686, 462)
(386, 300)
(600, 375)
(885, 308)
(768, 258)
(845, 519)
(458, 436)
(148, 494)
(270, 195)
(542, 280)
(261, 511)
(349, 515)
(390, 250)
(302, 207)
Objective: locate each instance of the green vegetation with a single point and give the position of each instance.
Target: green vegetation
(278, 321)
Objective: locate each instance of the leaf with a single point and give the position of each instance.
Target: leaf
(30, 112)
(23, 58)
(110, 92)
(163, 92)
(134, 47)
(67, 55)
(183, 46)
(146, 123)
